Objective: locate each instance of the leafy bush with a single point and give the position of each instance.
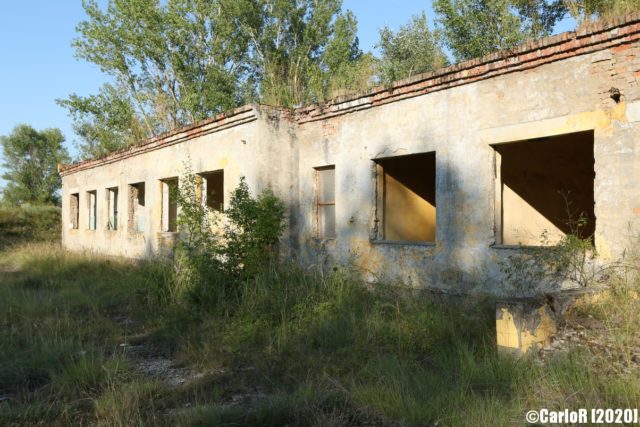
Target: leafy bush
(252, 233)
(211, 261)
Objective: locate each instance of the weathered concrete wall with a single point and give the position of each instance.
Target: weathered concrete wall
(461, 124)
(244, 149)
(554, 87)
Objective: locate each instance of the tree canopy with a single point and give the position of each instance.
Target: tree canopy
(473, 28)
(174, 62)
(585, 11)
(31, 160)
(413, 49)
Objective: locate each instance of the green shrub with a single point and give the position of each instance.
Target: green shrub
(29, 223)
(210, 262)
(252, 233)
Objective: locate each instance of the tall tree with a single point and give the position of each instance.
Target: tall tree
(412, 50)
(31, 159)
(173, 62)
(473, 28)
(303, 49)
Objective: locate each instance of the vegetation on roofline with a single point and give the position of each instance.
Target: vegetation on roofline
(175, 62)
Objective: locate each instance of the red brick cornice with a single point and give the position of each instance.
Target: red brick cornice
(592, 38)
(239, 116)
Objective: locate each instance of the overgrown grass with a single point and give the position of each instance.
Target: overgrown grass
(28, 224)
(286, 347)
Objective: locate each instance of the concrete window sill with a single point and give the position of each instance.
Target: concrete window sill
(519, 247)
(403, 243)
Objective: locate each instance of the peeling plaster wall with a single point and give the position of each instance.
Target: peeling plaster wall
(460, 124)
(246, 150)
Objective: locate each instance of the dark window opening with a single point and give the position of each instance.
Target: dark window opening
(169, 205)
(406, 200)
(544, 190)
(136, 215)
(212, 190)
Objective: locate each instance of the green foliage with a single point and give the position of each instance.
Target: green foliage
(572, 260)
(585, 11)
(29, 224)
(252, 233)
(106, 122)
(171, 63)
(210, 260)
(197, 254)
(60, 339)
(473, 28)
(414, 49)
(298, 348)
(176, 62)
(31, 161)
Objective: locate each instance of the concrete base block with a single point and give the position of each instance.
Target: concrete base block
(523, 325)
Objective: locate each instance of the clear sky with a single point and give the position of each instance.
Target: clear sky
(37, 63)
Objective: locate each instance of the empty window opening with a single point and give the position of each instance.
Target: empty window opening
(136, 215)
(112, 208)
(169, 205)
(212, 190)
(326, 202)
(544, 189)
(406, 198)
(92, 203)
(74, 210)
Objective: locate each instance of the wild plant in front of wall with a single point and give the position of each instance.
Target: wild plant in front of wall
(216, 252)
(571, 261)
(197, 253)
(252, 231)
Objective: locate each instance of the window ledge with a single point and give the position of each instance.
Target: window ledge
(519, 247)
(403, 243)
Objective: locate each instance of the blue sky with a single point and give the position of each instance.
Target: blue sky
(37, 63)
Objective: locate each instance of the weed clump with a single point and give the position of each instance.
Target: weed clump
(217, 253)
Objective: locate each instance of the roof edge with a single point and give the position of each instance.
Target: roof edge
(590, 38)
(226, 120)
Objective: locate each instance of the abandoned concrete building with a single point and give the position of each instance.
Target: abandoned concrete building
(430, 182)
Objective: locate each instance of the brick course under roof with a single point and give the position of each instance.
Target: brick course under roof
(591, 38)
